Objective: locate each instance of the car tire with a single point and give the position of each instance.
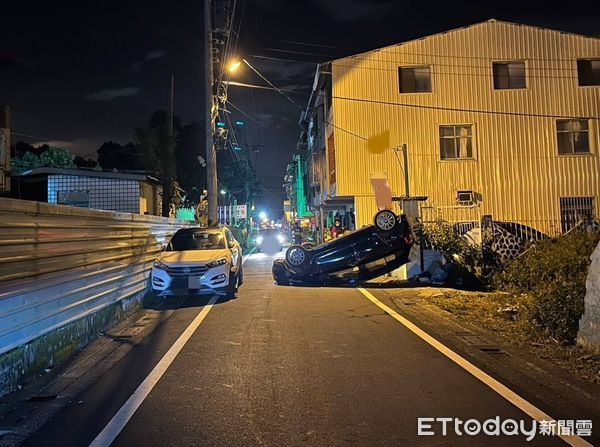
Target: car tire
(385, 220)
(297, 257)
(232, 287)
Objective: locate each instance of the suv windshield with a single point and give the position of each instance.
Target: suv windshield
(196, 240)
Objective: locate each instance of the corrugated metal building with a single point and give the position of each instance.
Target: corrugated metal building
(499, 119)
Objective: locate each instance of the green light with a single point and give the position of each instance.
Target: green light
(220, 124)
(237, 148)
(240, 123)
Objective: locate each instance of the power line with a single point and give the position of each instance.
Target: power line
(259, 56)
(452, 109)
(272, 85)
(261, 87)
(259, 123)
(397, 64)
(388, 49)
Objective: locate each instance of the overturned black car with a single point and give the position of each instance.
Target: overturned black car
(365, 254)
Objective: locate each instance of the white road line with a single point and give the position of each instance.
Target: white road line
(106, 437)
(498, 387)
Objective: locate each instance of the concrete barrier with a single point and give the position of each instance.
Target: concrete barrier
(589, 325)
(66, 274)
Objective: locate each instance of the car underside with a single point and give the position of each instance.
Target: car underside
(365, 254)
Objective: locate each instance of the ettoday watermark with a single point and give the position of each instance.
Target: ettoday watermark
(502, 427)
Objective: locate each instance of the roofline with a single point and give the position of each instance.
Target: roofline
(458, 29)
(85, 173)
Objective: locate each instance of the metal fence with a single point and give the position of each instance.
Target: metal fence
(59, 264)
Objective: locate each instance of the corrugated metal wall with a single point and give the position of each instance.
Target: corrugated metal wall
(59, 264)
(516, 169)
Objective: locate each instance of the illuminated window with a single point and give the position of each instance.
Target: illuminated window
(415, 79)
(456, 142)
(573, 136)
(509, 75)
(588, 72)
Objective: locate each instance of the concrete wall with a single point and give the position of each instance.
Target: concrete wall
(67, 273)
(589, 325)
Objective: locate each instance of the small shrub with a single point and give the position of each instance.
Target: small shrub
(553, 274)
(479, 261)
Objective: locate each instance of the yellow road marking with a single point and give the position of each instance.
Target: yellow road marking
(498, 387)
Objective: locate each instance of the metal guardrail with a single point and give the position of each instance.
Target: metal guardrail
(59, 264)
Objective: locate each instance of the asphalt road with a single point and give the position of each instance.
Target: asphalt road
(286, 366)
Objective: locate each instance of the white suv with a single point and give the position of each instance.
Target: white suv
(199, 261)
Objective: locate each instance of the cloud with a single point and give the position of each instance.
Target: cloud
(284, 71)
(356, 10)
(155, 54)
(68, 145)
(108, 94)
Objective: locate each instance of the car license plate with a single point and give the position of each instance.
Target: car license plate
(195, 282)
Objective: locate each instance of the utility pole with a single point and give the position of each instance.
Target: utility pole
(171, 110)
(406, 182)
(209, 102)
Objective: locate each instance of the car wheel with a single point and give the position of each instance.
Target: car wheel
(296, 256)
(385, 220)
(232, 286)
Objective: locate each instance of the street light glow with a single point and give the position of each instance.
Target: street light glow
(233, 66)
(262, 215)
(223, 192)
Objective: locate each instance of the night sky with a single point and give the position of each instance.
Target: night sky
(78, 73)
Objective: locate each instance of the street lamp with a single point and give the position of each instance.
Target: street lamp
(262, 215)
(233, 66)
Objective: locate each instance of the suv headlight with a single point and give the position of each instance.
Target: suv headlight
(280, 238)
(160, 265)
(216, 263)
(259, 240)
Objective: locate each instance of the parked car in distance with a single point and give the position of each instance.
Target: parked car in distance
(199, 261)
(269, 240)
(364, 254)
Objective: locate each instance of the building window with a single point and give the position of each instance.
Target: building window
(588, 72)
(509, 75)
(456, 142)
(573, 136)
(575, 209)
(415, 79)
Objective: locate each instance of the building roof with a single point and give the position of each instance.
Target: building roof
(462, 28)
(135, 175)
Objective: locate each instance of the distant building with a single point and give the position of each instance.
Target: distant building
(501, 122)
(136, 193)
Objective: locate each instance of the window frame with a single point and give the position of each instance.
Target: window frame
(474, 151)
(564, 223)
(506, 62)
(572, 153)
(415, 66)
(584, 59)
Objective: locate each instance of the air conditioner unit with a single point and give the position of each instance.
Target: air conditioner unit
(465, 198)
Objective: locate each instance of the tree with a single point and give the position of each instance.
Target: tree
(81, 162)
(52, 157)
(112, 155)
(191, 175)
(157, 148)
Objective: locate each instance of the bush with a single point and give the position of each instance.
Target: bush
(479, 261)
(553, 274)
